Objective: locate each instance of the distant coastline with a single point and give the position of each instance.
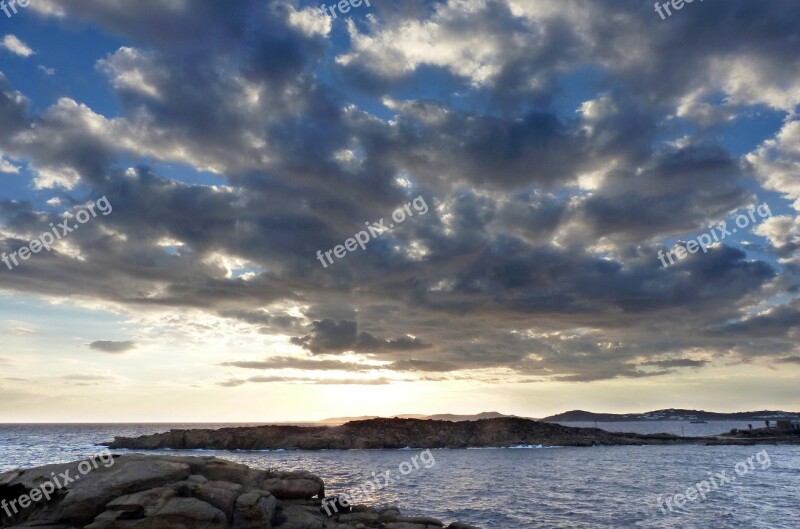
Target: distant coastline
(673, 414)
(422, 434)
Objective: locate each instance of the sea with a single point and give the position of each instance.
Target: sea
(534, 487)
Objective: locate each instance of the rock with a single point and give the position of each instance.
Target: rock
(295, 486)
(82, 497)
(389, 515)
(459, 525)
(87, 498)
(299, 517)
(190, 513)
(139, 505)
(7, 477)
(409, 525)
(254, 510)
(419, 520)
(220, 494)
(365, 517)
(157, 508)
(219, 470)
(170, 492)
(333, 505)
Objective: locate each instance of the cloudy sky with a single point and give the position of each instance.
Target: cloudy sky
(558, 144)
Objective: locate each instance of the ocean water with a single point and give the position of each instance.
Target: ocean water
(537, 488)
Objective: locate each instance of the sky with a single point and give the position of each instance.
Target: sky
(547, 195)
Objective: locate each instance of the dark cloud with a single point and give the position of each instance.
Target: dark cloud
(684, 189)
(425, 366)
(107, 346)
(86, 378)
(329, 336)
(230, 383)
(13, 109)
(677, 362)
(775, 323)
(615, 373)
(82, 379)
(287, 362)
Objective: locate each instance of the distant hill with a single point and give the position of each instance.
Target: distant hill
(575, 416)
(334, 421)
(461, 418)
(671, 415)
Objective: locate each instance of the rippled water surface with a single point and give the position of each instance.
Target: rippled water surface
(587, 488)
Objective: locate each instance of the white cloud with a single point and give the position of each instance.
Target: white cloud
(692, 106)
(134, 70)
(50, 177)
(48, 8)
(311, 21)
(396, 51)
(751, 80)
(140, 137)
(780, 231)
(16, 46)
(777, 162)
(6, 166)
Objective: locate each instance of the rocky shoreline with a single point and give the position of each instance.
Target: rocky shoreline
(414, 433)
(164, 492)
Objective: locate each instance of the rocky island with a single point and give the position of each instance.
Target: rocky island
(412, 433)
(163, 492)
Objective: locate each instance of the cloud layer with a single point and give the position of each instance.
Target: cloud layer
(560, 144)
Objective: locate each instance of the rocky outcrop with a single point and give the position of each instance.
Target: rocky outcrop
(393, 433)
(757, 436)
(153, 492)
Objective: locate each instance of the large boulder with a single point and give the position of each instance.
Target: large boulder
(294, 486)
(255, 510)
(220, 494)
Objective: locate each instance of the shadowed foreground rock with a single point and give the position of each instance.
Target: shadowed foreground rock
(162, 492)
